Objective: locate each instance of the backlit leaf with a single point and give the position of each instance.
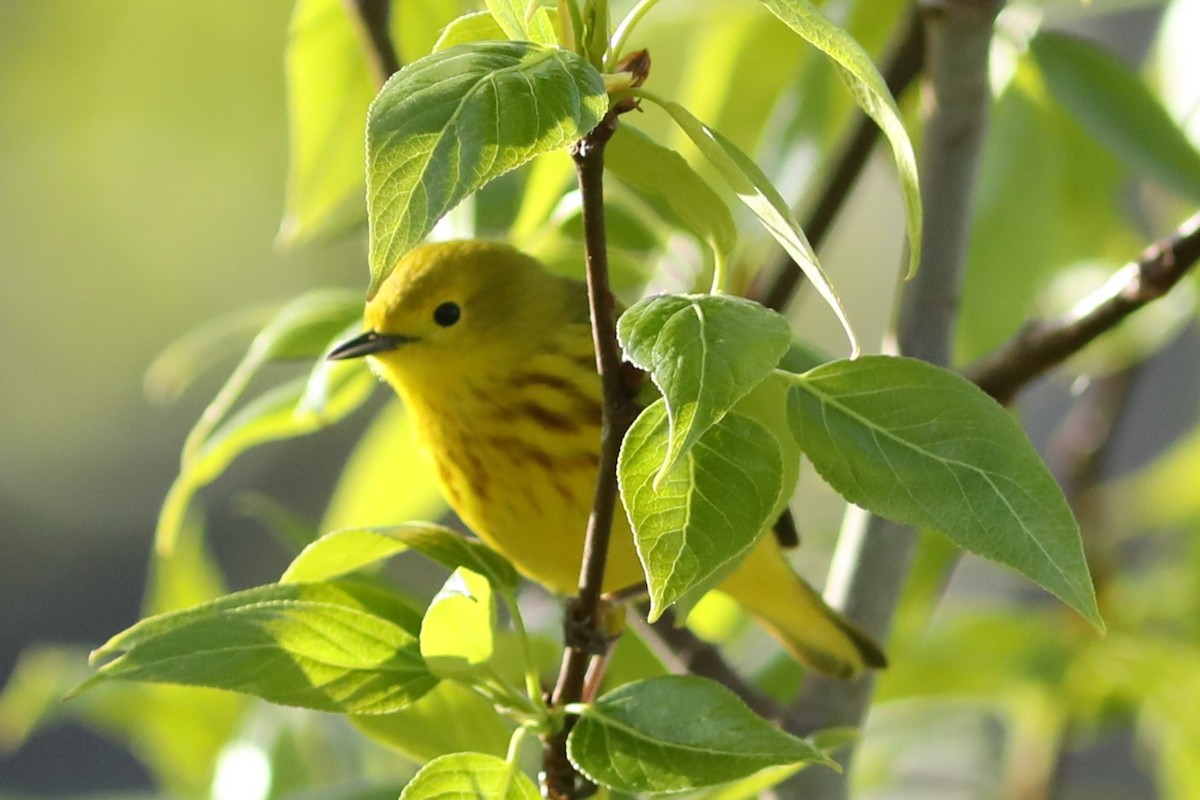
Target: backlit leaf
(449, 123)
(345, 648)
(470, 776)
(457, 633)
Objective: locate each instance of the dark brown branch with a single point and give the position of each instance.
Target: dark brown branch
(585, 629)
(685, 652)
(370, 18)
(901, 68)
(1043, 344)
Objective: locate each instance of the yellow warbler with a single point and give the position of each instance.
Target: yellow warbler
(492, 355)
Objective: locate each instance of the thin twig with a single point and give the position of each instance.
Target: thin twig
(1041, 344)
(584, 623)
(901, 68)
(371, 18)
(684, 652)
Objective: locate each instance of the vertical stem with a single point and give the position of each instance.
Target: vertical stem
(584, 617)
(371, 18)
(873, 555)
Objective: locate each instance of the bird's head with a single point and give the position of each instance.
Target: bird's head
(461, 308)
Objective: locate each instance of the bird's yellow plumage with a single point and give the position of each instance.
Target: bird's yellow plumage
(493, 358)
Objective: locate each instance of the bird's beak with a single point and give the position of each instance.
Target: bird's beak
(367, 344)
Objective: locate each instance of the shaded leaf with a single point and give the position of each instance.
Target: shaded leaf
(450, 718)
(1116, 107)
(870, 92)
(755, 190)
(694, 525)
(674, 733)
(704, 353)
(670, 185)
(924, 446)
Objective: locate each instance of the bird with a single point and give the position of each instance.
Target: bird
(493, 358)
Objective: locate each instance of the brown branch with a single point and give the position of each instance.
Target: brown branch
(1042, 344)
(901, 67)
(370, 19)
(584, 624)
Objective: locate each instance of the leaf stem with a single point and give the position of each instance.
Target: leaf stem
(584, 624)
(624, 29)
(533, 684)
(371, 21)
(1040, 344)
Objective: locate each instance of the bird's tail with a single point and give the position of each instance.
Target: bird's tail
(767, 587)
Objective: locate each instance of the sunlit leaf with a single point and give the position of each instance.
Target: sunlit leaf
(479, 26)
(514, 19)
(449, 123)
(692, 526)
(329, 90)
(276, 414)
(385, 478)
(638, 739)
(341, 552)
(178, 365)
(470, 776)
(762, 198)
(301, 329)
(870, 92)
(450, 718)
(924, 446)
(704, 352)
(1117, 108)
(457, 633)
(320, 646)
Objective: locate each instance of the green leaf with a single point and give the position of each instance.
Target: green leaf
(458, 631)
(870, 92)
(385, 478)
(449, 123)
(479, 26)
(178, 365)
(329, 91)
(470, 776)
(755, 190)
(301, 329)
(516, 24)
(450, 718)
(677, 732)
(279, 413)
(692, 526)
(704, 352)
(924, 446)
(668, 183)
(343, 648)
(341, 552)
(1117, 108)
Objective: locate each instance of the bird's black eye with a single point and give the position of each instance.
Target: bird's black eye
(447, 314)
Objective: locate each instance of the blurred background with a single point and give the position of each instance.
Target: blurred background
(143, 149)
(143, 153)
